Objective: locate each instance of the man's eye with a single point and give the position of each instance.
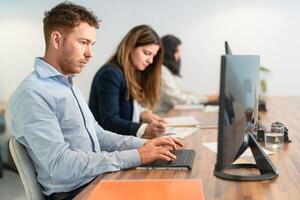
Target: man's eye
(83, 43)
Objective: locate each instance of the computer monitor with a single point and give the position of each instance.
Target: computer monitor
(238, 114)
(227, 49)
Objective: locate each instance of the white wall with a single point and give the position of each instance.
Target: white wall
(269, 28)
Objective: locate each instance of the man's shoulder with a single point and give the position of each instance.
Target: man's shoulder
(29, 83)
(29, 86)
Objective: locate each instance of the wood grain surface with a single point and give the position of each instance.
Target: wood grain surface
(287, 160)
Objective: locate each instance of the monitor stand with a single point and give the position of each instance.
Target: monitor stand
(263, 164)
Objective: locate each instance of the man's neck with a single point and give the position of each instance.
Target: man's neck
(51, 61)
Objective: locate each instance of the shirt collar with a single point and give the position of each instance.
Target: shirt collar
(46, 70)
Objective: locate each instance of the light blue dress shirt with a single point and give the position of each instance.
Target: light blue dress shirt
(50, 117)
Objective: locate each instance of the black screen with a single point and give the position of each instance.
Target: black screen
(238, 105)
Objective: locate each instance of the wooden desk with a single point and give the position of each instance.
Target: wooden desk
(286, 186)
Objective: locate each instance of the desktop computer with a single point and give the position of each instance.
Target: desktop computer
(238, 115)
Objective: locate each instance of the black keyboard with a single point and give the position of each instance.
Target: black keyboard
(184, 160)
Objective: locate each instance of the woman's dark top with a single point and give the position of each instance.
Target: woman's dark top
(109, 103)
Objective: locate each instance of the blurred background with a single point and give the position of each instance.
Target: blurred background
(269, 28)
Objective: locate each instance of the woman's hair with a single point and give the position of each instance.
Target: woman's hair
(170, 44)
(143, 86)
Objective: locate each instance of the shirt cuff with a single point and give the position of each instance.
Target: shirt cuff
(143, 109)
(131, 158)
(141, 130)
(136, 142)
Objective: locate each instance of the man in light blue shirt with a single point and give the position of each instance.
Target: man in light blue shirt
(50, 117)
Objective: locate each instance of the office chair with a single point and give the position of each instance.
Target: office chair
(26, 170)
(2, 131)
(5, 136)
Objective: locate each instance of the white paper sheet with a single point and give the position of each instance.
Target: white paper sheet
(210, 108)
(189, 107)
(213, 146)
(182, 121)
(179, 132)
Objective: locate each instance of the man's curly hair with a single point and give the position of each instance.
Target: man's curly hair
(66, 16)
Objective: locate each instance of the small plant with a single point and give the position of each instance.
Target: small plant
(264, 72)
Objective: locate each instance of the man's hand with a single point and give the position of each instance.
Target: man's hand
(154, 129)
(158, 149)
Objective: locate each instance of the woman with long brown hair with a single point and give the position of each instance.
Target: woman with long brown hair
(128, 86)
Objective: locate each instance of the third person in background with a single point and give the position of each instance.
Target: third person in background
(172, 92)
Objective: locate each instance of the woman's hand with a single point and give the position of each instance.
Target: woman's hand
(213, 98)
(154, 129)
(149, 117)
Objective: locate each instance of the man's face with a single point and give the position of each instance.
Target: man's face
(76, 48)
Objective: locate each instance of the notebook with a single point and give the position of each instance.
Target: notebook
(167, 189)
(181, 121)
(179, 132)
(191, 121)
(189, 107)
(184, 161)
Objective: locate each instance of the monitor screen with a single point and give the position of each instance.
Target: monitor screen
(238, 105)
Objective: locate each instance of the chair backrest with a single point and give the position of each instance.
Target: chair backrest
(26, 170)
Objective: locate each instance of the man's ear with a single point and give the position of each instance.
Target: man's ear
(56, 39)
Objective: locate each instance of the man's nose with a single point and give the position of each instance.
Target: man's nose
(89, 52)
